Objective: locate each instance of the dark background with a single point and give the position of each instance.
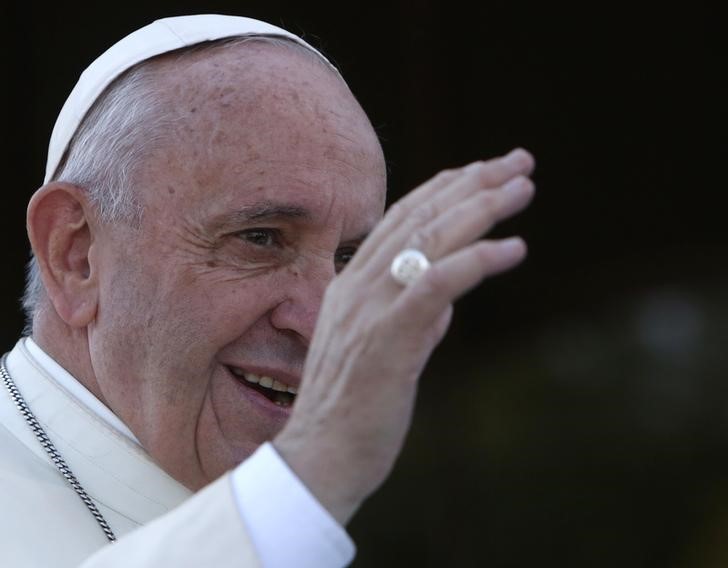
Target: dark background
(577, 414)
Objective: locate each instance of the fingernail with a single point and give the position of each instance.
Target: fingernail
(519, 158)
(513, 245)
(514, 155)
(516, 185)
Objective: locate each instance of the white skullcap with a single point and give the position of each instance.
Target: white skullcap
(158, 37)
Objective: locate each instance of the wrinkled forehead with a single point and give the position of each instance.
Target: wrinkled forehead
(262, 117)
(257, 90)
(161, 36)
(259, 69)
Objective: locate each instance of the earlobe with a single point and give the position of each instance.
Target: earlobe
(60, 229)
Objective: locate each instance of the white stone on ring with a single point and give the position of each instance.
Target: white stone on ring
(408, 266)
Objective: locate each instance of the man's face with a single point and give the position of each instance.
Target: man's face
(271, 181)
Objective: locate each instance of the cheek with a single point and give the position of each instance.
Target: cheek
(216, 308)
(168, 310)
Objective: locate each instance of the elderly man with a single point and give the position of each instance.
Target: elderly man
(218, 307)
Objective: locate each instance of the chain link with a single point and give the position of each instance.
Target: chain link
(51, 450)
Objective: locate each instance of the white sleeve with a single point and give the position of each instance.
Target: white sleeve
(287, 525)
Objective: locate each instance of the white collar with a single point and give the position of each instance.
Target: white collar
(115, 471)
(76, 389)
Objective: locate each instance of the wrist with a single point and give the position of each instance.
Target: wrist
(326, 482)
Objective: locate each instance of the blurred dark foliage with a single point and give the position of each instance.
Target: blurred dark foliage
(577, 414)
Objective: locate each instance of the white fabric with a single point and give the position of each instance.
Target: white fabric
(129, 489)
(158, 37)
(205, 530)
(76, 389)
(276, 506)
(285, 521)
(274, 512)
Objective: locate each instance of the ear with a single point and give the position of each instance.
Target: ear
(60, 229)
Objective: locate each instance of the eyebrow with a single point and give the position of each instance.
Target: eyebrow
(264, 212)
(270, 210)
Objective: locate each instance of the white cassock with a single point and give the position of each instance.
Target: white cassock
(258, 515)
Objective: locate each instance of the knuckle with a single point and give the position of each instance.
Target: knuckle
(422, 214)
(421, 240)
(435, 283)
(446, 176)
(398, 211)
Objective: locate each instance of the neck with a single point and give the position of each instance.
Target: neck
(69, 348)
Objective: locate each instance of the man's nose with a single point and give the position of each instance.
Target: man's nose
(305, 288)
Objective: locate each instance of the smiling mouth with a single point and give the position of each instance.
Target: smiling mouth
(278, 392)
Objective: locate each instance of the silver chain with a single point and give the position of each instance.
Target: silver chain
(48, 446)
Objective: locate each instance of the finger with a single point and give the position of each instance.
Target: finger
(486, 174)
(422, 302)
(469, 220)
(454, 183)
(443, 192)
(455, 228)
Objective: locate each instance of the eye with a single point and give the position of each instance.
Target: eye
(343, 256)
(261, 237)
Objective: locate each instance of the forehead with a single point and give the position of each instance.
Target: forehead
(263, 122)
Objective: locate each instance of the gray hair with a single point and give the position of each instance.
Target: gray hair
(123, 125)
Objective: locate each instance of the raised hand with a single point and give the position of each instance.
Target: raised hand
(374, 335)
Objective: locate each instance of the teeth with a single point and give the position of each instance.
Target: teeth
(266, 382)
